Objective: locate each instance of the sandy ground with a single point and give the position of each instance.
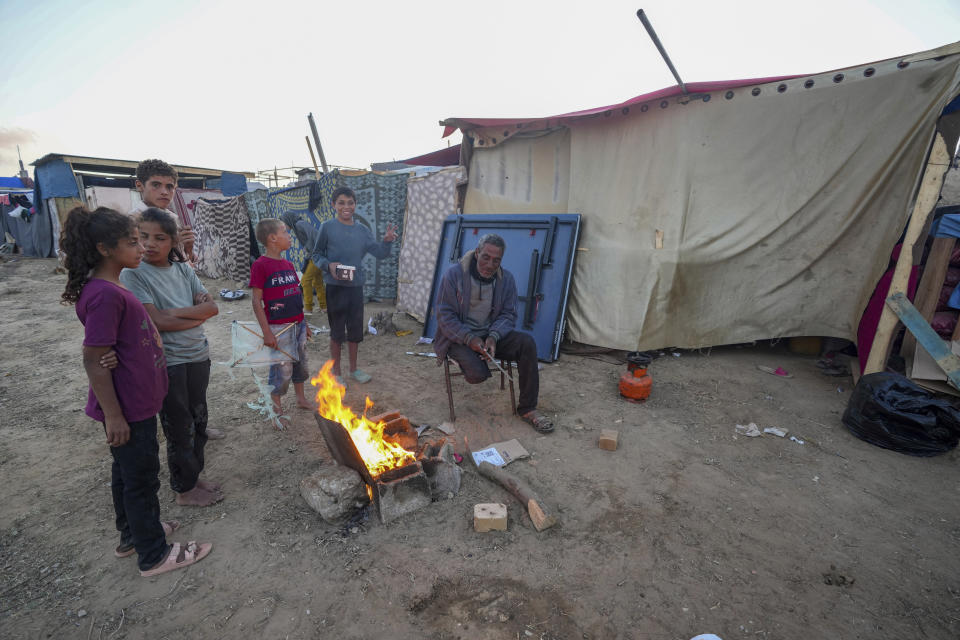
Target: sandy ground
(685, 529)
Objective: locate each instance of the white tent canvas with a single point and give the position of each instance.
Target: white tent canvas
(765, 210)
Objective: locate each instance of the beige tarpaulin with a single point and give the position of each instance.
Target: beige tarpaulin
(778, 211)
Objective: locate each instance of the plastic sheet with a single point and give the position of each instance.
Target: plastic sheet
(248, 348)
(892, 412)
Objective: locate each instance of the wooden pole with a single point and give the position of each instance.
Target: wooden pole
(928, 293)
(316, 140)
(931, 183)
(316, 169)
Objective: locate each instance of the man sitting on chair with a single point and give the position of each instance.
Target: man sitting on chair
(476, 313)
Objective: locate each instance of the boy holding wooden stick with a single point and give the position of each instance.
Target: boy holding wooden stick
(277, 301)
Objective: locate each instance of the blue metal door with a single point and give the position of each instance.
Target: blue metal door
(539, 254)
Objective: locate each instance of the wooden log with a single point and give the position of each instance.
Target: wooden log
(937, 165)
(539, 513)
(928, 293)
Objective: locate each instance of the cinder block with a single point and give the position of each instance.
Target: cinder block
(608, 439)
(490, 516)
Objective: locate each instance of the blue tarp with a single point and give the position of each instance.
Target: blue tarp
(56, 180)
(233, 184)
(11, 183)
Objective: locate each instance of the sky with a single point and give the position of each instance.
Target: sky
(228, 85)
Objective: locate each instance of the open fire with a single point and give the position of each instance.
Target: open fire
(379, 454)
(401, 475)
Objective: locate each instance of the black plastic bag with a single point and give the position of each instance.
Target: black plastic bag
(891, 412)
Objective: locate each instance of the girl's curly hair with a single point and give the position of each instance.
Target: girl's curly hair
(82, 232)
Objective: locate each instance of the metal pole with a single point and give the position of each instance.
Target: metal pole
(663, 52)
(316, 141)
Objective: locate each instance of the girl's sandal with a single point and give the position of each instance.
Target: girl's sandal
(180, 556)
(127, 550)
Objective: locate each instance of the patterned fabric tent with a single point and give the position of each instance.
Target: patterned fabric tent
(430, 200)
(297, 199)
(381, 200)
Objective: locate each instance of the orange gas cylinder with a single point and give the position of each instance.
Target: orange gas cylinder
(636, 383)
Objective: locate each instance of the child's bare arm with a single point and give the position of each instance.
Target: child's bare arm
(201, 311)
(101, 381)
(167, 321)
(269, 340)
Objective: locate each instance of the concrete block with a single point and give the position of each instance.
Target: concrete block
(397, 498)
(490, 516)
(608, 439)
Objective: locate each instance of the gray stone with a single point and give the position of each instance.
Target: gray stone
(334, 492)
(443, 473)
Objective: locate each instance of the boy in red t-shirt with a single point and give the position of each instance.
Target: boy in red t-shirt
(277, 301)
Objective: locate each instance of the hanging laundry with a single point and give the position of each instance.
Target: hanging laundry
(222, 229)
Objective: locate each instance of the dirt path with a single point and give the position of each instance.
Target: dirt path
(685, 529)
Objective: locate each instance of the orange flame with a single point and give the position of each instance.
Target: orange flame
(378, 454)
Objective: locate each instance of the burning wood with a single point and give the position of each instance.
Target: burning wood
(383, 450)
(379, 454)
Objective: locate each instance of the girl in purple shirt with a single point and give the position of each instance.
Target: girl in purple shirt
(126, 399)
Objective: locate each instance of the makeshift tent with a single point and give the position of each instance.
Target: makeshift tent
(381, 200)
(750, 209)
(19, 221)
(122, 199)
(310, 202)
(430, 200)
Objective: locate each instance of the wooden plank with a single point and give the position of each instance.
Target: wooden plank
(931, 183)
(928, 293)
(936, 346)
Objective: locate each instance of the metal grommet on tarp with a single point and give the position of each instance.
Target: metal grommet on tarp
(869, 71)
(838, 77)
(808, 84)
(903, 64)
(755, 92)
(625, 110)
(706, 98)
(664, 104)
(728, 95)
(782, 88)
(643, 108)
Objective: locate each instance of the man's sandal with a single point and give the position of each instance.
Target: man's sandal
(540, 422)
(127, 550)
(180, 556)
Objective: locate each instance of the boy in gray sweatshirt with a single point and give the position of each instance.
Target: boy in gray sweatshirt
(343, 242)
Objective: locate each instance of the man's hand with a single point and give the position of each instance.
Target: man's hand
(490, 346)
(200, 298)
(109, 360)
(269, 340)
(332, 268)
(118, 431)
(391, 233)
(477, 345)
